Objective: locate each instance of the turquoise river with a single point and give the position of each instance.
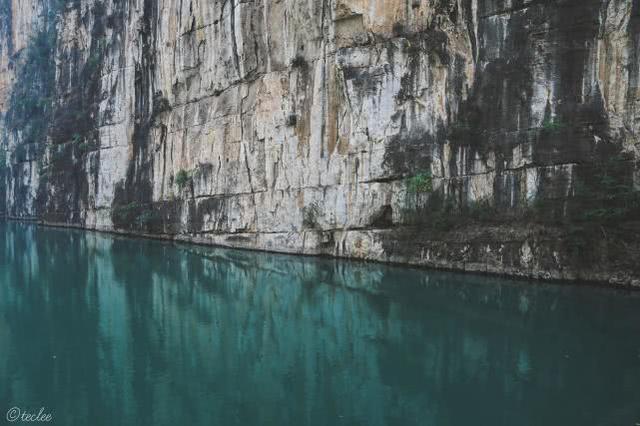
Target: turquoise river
(104, 330)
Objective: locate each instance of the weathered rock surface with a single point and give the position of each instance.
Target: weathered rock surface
(482, 135)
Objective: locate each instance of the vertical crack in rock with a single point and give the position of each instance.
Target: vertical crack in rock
(234, 41)
(634, 60)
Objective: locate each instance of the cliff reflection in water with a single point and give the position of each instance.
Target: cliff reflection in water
(105, 330)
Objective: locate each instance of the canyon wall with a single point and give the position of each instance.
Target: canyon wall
(492, 136)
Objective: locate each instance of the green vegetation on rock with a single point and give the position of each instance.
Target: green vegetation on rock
(420, 183)
(182, 179)
(552, 125)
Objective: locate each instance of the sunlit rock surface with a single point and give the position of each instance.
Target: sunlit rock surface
(456, 134)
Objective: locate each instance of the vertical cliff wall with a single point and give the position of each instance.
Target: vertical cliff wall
(493, 135)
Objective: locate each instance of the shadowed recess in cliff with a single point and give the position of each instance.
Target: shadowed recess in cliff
(634, 64)
(74, 136)
(596, 192)
(499, 116)
(31, 104)
(6, 27)
(136, 191)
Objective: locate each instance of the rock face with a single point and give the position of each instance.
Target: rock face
(481, 135)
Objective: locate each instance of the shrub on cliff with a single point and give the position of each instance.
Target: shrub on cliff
(422, 182)
(182, 179)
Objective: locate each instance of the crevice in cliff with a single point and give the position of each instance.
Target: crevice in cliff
(245, 155)
(74, 152)
(517, 7)
(234, 42)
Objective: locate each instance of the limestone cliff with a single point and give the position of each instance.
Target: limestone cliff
(480, 135)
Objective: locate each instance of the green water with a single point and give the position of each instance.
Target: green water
(101, 330)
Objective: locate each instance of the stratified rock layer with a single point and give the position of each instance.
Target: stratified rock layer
(494, 136)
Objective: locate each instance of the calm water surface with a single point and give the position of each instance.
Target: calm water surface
(111, 331)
